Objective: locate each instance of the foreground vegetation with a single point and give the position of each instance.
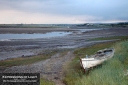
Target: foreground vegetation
(24, 60)
(111, 72)
(46, 82)
(111, 38)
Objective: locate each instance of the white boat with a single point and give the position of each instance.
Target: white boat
(96, 59)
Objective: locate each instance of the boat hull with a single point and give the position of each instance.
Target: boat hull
(96, 59)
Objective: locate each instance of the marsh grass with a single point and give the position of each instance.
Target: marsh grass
(110, 38)
(110, 72)
(90, 50)
(24, 61)
(46, 82)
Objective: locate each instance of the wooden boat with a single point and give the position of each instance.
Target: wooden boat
(96, 59)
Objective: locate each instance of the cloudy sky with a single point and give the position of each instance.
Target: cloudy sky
(63, 11)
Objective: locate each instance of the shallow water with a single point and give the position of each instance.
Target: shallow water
(5, 37)
(8, 37)
(85, 30)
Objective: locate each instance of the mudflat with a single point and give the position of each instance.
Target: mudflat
(52, 68)
(28, 47)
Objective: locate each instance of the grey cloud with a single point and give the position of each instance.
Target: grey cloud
(107, 9)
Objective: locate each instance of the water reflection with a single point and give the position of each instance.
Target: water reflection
(32, 36)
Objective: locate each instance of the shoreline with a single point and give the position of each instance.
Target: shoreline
(30, 47)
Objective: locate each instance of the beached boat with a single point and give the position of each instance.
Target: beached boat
(96, 59)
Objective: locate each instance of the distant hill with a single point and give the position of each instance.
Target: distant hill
(33, 25)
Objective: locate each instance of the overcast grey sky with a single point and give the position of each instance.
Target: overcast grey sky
(63, 11)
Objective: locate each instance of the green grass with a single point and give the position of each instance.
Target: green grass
(24, 61)
(90, 50)
(46, 82)
(110, 72)
(110, 38)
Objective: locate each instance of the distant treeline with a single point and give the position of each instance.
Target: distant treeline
(33, 25)
(121, 24)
